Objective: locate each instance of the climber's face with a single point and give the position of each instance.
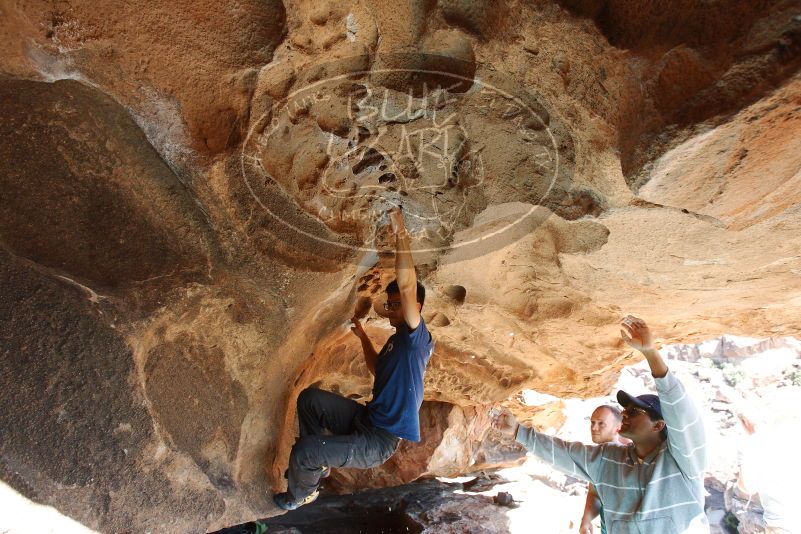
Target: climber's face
(393, 309)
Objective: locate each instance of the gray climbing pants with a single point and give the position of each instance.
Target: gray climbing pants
(334, 432)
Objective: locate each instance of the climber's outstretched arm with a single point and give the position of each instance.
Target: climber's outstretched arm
(404, 270)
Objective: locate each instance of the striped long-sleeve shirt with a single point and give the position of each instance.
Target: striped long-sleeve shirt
(661, 494)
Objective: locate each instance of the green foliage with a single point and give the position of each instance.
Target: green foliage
(732, 374)
(794, 377)
(730, 523)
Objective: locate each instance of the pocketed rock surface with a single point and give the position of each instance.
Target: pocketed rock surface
(191, 208)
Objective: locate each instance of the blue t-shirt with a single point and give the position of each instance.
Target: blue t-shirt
(398, 385)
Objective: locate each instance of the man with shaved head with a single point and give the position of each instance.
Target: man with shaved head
(605, 424)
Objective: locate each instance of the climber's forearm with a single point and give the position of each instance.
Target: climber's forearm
(370, 354)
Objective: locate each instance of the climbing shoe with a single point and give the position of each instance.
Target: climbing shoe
(286, 501)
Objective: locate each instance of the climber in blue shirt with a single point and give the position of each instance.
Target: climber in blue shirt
(340, 432)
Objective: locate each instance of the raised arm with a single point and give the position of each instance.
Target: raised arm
(370, 354)
(685, 428)
(638, 336)
(571, 457)
(404, 270)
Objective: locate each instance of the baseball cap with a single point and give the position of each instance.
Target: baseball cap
(649, 403)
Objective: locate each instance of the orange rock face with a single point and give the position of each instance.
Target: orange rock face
(193, 203)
